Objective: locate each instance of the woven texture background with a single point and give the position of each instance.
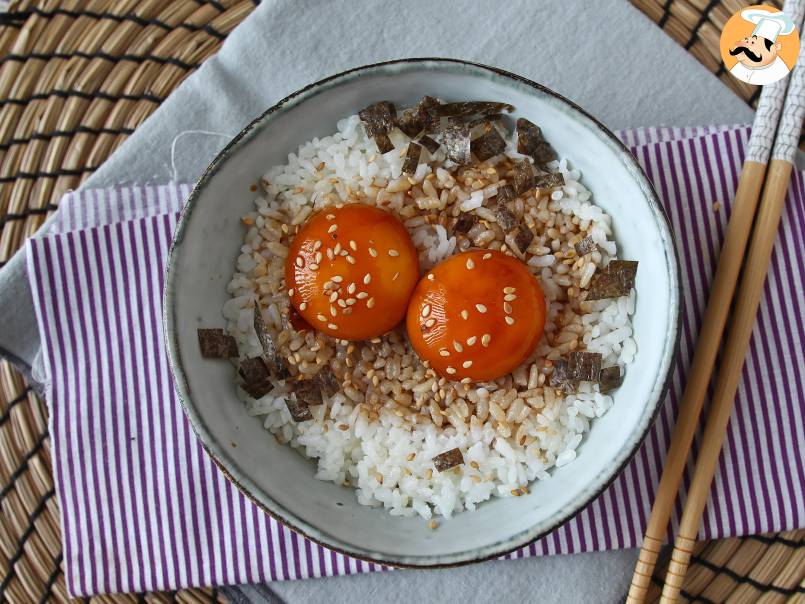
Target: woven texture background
(76, 78)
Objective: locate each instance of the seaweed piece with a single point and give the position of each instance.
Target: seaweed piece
(548, 180)
(274, 361)
(523, 177)
(215, 344)
(505, 217)
(327, 381)
(448, 459)
(523, 238)
(559, 376)
(609, 379)
(584, 366)
(256, 377)
(616, 280)
(428, 109)
(456, 139)
(411, 122)
(411, 158)
(300, 412)
(488, 145)
(378, 118)
(383, 142)
(531, 142)
(468, 108)
(585, 246)
(307, 392)
(484, 119)
(431, 145)
(506, 194)
(464, 223)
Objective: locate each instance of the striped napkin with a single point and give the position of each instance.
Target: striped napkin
(142, 506)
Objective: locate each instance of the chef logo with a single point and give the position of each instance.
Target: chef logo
(759, 45)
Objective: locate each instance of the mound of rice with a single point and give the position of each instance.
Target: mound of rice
(380, 433)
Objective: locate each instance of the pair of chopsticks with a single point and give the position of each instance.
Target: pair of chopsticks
(785, 98)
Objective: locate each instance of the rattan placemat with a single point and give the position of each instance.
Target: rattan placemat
(76, 78)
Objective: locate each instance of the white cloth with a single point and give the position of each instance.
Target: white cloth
(761, 75)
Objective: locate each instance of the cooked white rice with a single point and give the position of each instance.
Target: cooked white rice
(380, 433)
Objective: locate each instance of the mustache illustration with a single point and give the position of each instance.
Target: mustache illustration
(749, 54)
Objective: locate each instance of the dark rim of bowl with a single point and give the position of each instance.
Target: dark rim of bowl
(202, 433)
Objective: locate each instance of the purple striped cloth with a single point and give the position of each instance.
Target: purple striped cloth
(144, 508)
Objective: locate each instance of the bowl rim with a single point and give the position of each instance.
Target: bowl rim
(286, 516)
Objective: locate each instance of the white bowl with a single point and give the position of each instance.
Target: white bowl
(279, 479)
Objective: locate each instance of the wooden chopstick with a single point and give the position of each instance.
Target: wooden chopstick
(751, 289)
(730, 260)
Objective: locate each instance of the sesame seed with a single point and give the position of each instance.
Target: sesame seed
(471, 341)
(466, 380)
(481, 308)
(433, 524)
(351, 288)
(430, 322)
(396, 275)
(347, 311)
(290, 292)
(425, 310)
(333, 228)
(333, 296)
(509, 297)
(509, 320)
(367, 278)
(353, 245)
(332, 326)
(336, 278)
(466, 364)
(428, 474)
(431, 277)
(509, 290)
(330, 254)
(507, 308)
(394, 253)
(465, 315)
(485, 339)
(458, 346)
(470, 264)
(487, 256)
(450, 370)
(337, 249)
(299, 262)
(373, 252)
(370, 303)
(344, 253)
(410, 456)
(333, 311)
(321, 318)
(318, 257)
(317, 245)
(330, 216)
(342, 303)
(362, 295)
(314, 267)
(350, 259)
(303, 306)
(474, 464)
(351, 301)
(444, 352)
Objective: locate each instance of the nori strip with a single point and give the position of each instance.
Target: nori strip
(431, 145)
(609, 379)
(256, 377)
(531, 142)
(378, 118)
(506, 194)
(616, 280)
(456, 139)
(523, 177)
(468, 108)
(464, 223)
(506, 219)
(584, 366)
(383, 142)
(559, 377)
(327, 381)
(485, 119)
(523, 238)
(548, 180)
(488, 145)
(215, 344)
(585, 246)
(411, 122)
(411, 158)
(428, 109)
(307, 392)
(448, 459)
(299, 411)
(275, 362)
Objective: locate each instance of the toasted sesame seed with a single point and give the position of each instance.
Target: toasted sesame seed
(430, 322)
(425, 310)
(394, 253)
(337, 249)
(466, 380)
(470, 264)
(507, 308)
(509, 297)
(466, 364)
(314, 267)
(474, 464)
(333, 228)
(336, 278)
(290, 292)
(317, 245)
(353, 245)
(333, 296)
(331, 216)
(487, 256)
(344, 253)
(321, 318)
(433, 524)
(509, 290)
(450, 370)
(410, 456)
(373, 252)
(303, 306)
(509, 320)
(350, 259)
(332, 326)
(471, 340)
(458, 346)
(481, 308)
(333, 311)
(351, 301)
(431, 277)
(342, 303)
(370, 303)
(330, 254)
(361, 295)
(299, 262)
(318, 257)
(367, 279)
(444, 352)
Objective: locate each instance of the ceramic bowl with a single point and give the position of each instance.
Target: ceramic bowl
(281, 481)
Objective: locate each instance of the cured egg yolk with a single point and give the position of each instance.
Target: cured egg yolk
(476, 316)
(350, 271)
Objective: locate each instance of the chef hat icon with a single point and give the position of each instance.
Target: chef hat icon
(768, 25)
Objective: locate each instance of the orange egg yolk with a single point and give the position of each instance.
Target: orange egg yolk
(476, 316)
(350, 271)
